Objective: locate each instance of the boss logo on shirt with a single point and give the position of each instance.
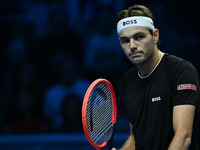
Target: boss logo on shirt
(186, 87)
(155, 99)
(129, 22)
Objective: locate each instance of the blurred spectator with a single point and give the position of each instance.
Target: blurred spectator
(24, 114)
(72, 9)
(23, 105)
(103, 54)
(71, 114)
(37, 15)
(69, 81)
(17, 51)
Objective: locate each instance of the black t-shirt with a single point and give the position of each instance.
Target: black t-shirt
(149, 101)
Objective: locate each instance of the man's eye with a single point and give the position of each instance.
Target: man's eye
(139, 37)
(123, 41)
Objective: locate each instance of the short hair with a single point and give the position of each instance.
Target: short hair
(135, 10)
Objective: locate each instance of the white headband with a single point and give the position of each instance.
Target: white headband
(135, 21)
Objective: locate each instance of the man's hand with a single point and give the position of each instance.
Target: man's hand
(129, 143)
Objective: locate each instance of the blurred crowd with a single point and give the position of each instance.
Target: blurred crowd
(51, 50)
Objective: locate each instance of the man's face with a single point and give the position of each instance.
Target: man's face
(138, 44)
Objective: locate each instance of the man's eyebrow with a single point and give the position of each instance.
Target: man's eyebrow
(123, 37)
(136, 34)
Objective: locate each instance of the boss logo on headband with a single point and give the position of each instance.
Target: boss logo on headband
(129, 22)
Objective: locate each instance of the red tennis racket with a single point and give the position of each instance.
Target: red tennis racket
(99, 113)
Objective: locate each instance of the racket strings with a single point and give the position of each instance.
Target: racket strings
(105, 127)
(99, 114)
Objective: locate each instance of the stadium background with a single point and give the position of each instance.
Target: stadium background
(51, 50)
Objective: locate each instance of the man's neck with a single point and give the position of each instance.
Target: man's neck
(148, 67)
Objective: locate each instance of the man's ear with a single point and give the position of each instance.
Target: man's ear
(156, 35)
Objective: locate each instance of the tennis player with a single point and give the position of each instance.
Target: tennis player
(161, 92)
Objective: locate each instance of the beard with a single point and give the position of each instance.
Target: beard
(146, 57)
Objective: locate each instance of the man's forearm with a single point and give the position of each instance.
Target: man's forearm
(183, 116)
(180, 142)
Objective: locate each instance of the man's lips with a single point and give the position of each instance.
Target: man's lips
(135, 54)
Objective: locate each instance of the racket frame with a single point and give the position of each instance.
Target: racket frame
(84, 110)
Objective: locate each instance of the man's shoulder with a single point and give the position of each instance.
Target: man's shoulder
(175, 62)
(176, 67)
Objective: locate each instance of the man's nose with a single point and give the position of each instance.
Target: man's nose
(133, 45)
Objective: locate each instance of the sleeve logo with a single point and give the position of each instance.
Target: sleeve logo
(187, 87)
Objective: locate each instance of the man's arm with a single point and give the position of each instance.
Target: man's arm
(183, 116)
(129, 143)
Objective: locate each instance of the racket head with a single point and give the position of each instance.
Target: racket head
(99, 112)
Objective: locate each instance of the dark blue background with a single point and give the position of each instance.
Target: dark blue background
(51, 50)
